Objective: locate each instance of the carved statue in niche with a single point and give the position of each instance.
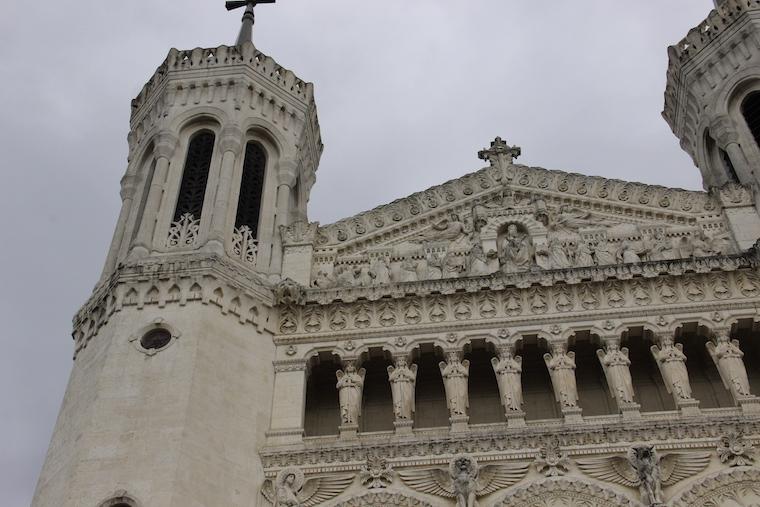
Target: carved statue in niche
(616, 366)
(561, 365)
(568, 219)
(455, 374)
(380, 271)
(515, 250)
(350, 385)
(728, 358)
(403, 378)
(603, 254)
(672, 362)
(508, 369)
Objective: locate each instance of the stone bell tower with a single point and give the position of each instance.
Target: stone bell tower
(712, 104)
(171, 388)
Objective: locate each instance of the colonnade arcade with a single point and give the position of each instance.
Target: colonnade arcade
(637, 371)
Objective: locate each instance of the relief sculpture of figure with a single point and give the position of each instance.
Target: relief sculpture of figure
(672, 362)
(479, 264)
(616, 366)
(448, 229)
(658, 247)
(603, 254)
(350, 385)
(403, 378)
(455, 374)
(629, 253)
(558, 257)
(728, 358)
(583, 256)
(516, 251)
(561, 366)
(508, 369)
(380, 271)
(568, 219)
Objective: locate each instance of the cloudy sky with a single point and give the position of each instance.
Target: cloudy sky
(408, 91)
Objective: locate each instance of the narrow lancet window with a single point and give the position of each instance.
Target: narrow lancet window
(195, 176)
(251, 187)
(751, 112)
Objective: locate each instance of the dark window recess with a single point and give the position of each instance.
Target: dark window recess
(251, 187)
(195, 176)
(156, 339)
(751, 112)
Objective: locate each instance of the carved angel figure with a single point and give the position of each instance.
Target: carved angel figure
(508, 369)
(643, 468)
(561, 366)
(672, 363)
(350, 385)
(465, 481)
(289, 489)
(403, 378)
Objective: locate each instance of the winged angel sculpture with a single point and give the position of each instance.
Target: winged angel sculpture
(645, 469)
(464, 480)
(290, 489)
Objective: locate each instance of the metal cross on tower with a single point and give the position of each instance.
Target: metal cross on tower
(246, 31)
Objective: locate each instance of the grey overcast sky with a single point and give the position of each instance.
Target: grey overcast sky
(408, 91)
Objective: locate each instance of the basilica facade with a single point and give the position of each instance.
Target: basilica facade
(515, 337)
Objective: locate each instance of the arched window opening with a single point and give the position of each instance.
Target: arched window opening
(594, 396)
(748, 334)
(483, 389)
(119, 501)
(538, 392)
(377, 400)
(144, 196)
(648, 385)
(430, 395)
(251, 188)
(192, 190)
(706, 384)
(322, 407)
(751, 113)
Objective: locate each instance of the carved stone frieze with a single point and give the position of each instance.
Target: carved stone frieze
(564, 492)
(739, 487)
(383, 499)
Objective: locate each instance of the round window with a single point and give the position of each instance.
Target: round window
(155, 339)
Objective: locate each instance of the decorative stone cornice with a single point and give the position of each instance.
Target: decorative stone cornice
(498, 442)
(709, 491)
(176, 280)
(600, 194)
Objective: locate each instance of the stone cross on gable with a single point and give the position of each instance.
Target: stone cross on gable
(500, 154)
(246, 31)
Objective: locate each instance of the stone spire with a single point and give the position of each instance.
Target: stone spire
(246, 31)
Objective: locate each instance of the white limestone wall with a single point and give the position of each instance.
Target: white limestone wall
(180, 428)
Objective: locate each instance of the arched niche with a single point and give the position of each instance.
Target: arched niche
(383, 499)
(564, 492)
(738, 487)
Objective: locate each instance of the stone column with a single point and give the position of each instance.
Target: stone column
(230, 143)
(455, 373)
(289, 402)
(508, 369)
(128, 189)
(672, 363)
(728, 139)
(616, 366)
(350, 388)
(403, 378)
(286, 178)
(561, 365)
(728, 357)
(164, 148)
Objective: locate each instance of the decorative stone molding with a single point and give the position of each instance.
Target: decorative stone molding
(734, 195)
(245, 247)
(739, 487)
(299, 233)
(184, 232)
(383, 499)
(565, 492)
(377, 473)
(288, 292)
(735, 452)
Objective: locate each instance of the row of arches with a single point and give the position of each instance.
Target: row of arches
(322, 415)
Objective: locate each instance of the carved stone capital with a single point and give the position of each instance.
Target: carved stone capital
(165, 145)
(299, 233)
(724, 131)
(231, 139)
(287, 172)
(288, 365)
(128, 187)
(734, 195)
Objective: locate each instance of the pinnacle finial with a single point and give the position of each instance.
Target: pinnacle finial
(246, 31)
(500, 154)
